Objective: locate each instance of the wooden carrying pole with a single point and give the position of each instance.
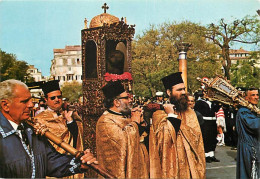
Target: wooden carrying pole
(42, 130)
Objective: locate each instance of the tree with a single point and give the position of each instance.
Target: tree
(223, 34)
(245, 74)
(155, 56)
(148, 65)
(11, 68)
(72, 91)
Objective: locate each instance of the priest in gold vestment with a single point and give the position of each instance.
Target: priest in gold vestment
(119, 137)
(65, 124)
(175, 143)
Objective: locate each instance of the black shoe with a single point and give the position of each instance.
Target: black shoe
(208, 159)
(214, 159)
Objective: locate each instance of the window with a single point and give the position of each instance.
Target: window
(70, 77)
(91, 60)
(69, 61)
(60, 61)
(73, 61)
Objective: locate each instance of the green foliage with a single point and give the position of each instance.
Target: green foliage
(224, 34)
(155, 55)
(202, 68)
(245, 74)
(11, 68)
(72, 91)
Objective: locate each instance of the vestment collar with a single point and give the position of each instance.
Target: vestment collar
(113, 112)
(57, 112)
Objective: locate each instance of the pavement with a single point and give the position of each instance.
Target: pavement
(226, 168)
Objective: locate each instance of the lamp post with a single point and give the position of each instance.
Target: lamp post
(183, 47)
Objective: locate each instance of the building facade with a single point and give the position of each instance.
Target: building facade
(34, 87)
(67, 64)
(240, 55)
(35, 73)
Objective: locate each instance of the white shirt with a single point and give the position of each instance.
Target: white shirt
(15, 126)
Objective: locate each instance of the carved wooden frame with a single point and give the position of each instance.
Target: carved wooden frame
(120, 31)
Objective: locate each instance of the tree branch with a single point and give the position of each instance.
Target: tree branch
(246, 42)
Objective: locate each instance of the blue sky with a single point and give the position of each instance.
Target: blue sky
(32, 29)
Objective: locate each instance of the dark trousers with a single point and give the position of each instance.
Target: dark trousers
(209, 134)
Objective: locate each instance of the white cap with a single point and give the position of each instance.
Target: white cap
(159, 93)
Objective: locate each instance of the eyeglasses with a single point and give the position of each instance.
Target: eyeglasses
(124, 97)
(54, 97)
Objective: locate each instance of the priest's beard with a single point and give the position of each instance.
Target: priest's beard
(125, 108)
(181, 103)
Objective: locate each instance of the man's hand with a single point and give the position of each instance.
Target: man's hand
(88, 158)
(169, 108)
(136, 115)
(68, 115)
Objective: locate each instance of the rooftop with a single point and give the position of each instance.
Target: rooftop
(232, 51)
(68, 48)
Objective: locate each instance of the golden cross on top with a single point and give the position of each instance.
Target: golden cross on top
(105, 7)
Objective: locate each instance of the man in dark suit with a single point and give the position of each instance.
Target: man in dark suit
(22, 153)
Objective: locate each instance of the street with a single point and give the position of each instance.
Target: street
(226, 168)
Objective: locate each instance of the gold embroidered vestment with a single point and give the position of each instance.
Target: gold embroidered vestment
(119, 149)
(180, 156)
(58, 126)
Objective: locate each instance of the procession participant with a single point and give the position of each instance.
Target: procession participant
(177, 136)
(248, 148)
(63, 123)
(209, 131)
(231, 134)
(221, 127)
(191, 104)
(22, 153)
(119, 135)
(41, 107)
(159, 97)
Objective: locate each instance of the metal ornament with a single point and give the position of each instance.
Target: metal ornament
(219, 89)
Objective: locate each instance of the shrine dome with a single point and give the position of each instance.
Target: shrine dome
(99, 20)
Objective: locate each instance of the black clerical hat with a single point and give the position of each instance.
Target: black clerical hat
(113, 89)
(171, 80)
(50, 86)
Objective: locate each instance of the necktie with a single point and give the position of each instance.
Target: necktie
(24, 136)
